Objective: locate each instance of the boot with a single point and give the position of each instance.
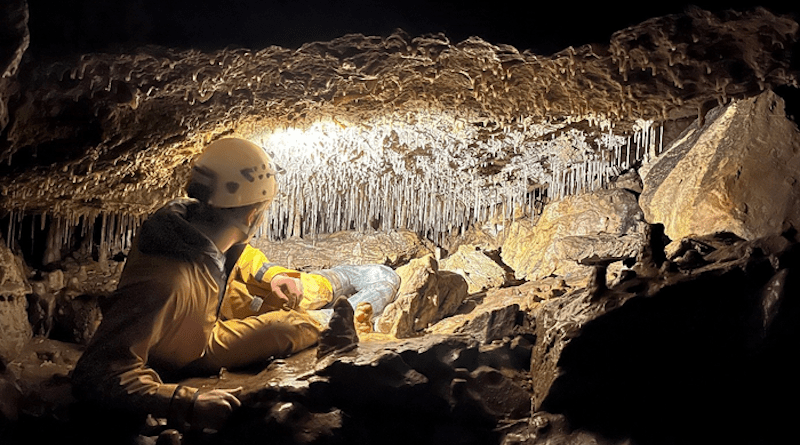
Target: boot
(341, 331)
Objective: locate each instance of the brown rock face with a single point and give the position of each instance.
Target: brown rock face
(737, 173)
(15, 327)
(607, 223)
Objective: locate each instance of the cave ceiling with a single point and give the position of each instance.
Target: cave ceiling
(413, 129)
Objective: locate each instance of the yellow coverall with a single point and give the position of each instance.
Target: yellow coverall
(165, 317)
(251, 278)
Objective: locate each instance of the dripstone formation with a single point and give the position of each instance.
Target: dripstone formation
(597, 246)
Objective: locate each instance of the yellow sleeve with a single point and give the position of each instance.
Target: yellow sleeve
(254, 266)
(251, 278)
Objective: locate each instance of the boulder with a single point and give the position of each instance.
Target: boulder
(14, 325)
(324, 251)
(480, 271)
(54, 281)
(491, 325)
(606, 223)
(41, 309)
(426, 296)
(629, 180)
(736, 172)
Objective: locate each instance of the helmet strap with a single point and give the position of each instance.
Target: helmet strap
(249, 230)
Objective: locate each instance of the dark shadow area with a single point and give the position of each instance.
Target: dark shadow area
(708, 361)
(96, 25)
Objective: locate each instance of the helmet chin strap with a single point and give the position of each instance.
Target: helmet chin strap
(248, 231)
(245, 232)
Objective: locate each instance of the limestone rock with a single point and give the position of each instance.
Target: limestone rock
(545, 428)
(484, 236)
(736, 173)
(496, 394)
(426, 296)
(480, 271)
(495, 314)
(492, 325)
(607, 223)
(13, 279)
(340, 334)
(390, 248)
(54, 280)
(14, 325)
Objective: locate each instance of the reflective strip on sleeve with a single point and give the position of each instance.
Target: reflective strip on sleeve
(263, 270)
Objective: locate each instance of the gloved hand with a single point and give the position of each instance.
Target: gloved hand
(288, 289)
(211, 409)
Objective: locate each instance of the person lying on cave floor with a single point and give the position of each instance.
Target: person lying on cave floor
(195, 297)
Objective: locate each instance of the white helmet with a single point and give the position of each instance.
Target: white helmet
(237, 172)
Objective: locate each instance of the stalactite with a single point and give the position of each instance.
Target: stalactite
(431, 172)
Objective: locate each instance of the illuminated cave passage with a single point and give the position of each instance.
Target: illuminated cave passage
(595, 245)
(458, 131)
